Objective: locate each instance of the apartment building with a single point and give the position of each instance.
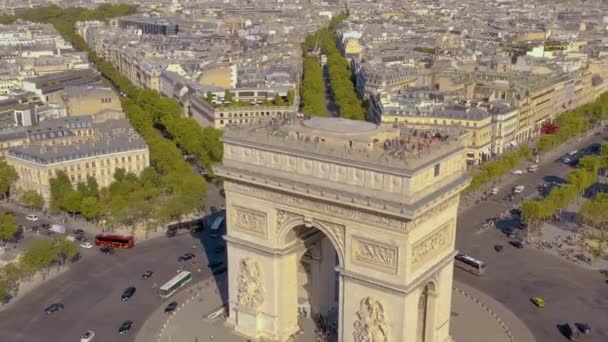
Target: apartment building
(81, 149)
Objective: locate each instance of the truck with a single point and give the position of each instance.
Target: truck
(58, 229)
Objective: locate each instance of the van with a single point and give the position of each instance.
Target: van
(533, 168)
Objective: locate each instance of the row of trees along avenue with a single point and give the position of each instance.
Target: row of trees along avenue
(340, 75)
(167, 190)
(571, 123)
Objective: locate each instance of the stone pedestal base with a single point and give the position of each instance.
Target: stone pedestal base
(247, 322)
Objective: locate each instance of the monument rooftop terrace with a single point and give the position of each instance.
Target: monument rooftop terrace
(354, 141)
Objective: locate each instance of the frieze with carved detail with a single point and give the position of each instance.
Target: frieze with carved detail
(249, 221)
(374, 254)
(319, 206)
(432, 245)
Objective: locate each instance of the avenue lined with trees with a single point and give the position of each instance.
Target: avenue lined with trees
(571, 123)
(167, 190)
(340, 75)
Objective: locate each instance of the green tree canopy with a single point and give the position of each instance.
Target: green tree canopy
(8, 177)
(32, 199)
(8, 227)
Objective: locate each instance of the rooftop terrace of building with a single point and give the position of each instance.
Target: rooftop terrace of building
(348, 141)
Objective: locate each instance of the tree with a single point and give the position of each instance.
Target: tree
(72, 202)
(40, 253)
(209, 97)
(32, 199)
(228, 96)
(291, 94)
(90, 208)
(60, 187)
(8, 227)
(8, 177)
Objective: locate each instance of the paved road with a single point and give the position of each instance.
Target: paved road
(91, 293)
(572, 294)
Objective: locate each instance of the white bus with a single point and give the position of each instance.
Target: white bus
(172, 285)
(470, 264)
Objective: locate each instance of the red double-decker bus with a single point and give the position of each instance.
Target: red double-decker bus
(113, 240)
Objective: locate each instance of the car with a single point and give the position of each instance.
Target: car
(86, 245)
(498, 248)
(147, 274)
(572, 333)
(79, 232)
(538, 301)
(515, 212)
(127, 293)
(517, 172)
(81, 238)
(518, 189)
(186, 257)
(516, 244)
(566, 160)
(494, 191)
(171, 307)
(106, 250)
(87, 336)
(53, 308)
(583, 327)
(125, 327)
(46, 226)
(31, 217)
(511, 235)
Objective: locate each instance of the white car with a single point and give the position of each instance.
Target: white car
(86, 245)
(87, 336)
(518, 189)
(517, 172)
(31, 217)
(494, 191)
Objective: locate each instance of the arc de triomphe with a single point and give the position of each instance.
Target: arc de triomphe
(385, 198)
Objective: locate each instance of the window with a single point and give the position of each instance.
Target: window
(437, 169)
(92, 164)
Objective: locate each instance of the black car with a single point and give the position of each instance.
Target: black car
(516, 244)
(81, 238)
(147, 274)
(498, 248)
(107, 250)
(515, 212)
(53, 308)
(186, 257)
(171, 232)
(125, 327)
(171, 307)
(583, 327)
(79, 232)
(46, 226)
(128, 293)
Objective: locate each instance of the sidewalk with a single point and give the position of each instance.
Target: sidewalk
(475, 317)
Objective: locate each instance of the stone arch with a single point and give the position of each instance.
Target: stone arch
(334, 232)
(426, 312)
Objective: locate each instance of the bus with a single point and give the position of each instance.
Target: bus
(470, 264)
(216, 225)
(113, 240)
(172, 285)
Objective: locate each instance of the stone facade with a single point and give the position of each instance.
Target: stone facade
(392, 229)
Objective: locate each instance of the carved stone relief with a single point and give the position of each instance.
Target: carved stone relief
(371, 324)
(374, 254)
(250, 221)
(432, 245)
(285, 216)
(337, 231)
(250, 290)
(319, 206)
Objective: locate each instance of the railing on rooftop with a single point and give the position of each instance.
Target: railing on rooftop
(411, 149)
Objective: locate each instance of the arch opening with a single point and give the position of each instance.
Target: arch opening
(317, 281)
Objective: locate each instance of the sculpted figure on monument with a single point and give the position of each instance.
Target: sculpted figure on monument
(370, 325)
(250, 291)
